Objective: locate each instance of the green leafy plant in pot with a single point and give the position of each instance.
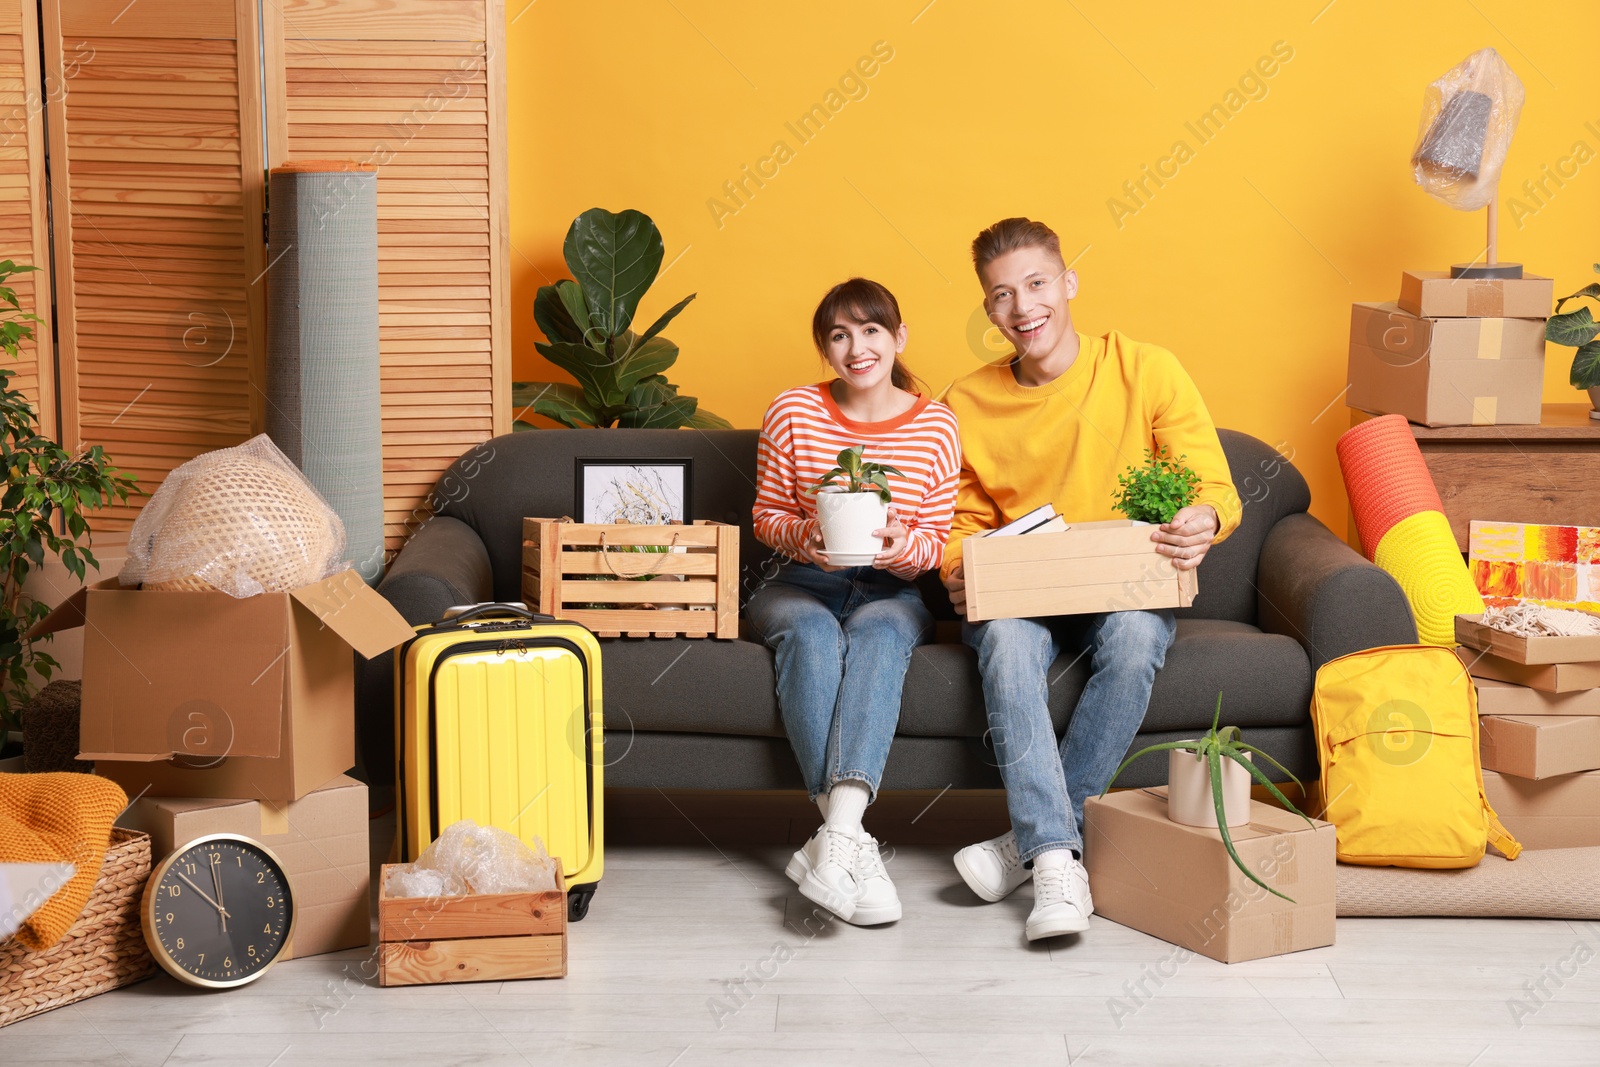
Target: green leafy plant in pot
(1157, 490)
(588, 322)
(852, 501)
(1578, 328)
(48, 491)
(1213, 748)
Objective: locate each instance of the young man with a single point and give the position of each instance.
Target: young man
(1056, 424)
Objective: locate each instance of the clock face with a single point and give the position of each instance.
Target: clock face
(218, 911)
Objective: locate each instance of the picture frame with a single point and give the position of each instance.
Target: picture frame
(649, 491)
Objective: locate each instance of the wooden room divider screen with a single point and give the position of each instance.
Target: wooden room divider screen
(168, 115)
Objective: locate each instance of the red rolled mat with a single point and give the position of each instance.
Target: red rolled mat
(1386, 477)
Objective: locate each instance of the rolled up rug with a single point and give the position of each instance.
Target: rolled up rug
(1400, 520)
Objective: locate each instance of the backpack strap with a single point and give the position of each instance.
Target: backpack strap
(1499, 836)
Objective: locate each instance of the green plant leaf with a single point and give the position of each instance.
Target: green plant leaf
(593, 371)
(1259, 775)
(553, 316)
(1586, 366)
(1591, 290)
(1165, 746)
(614, 257)
(705, 420)
(1214, 766)
(648, 358)
(667, 415)
(1573, 328)
(564, 403)
(666, 317)
(1268, 757)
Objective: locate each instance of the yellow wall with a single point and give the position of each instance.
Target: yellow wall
(1244, 263)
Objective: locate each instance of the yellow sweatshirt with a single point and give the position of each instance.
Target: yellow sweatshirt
(1065, 443)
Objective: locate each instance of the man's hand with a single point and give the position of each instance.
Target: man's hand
(957, 585)
(1187, 538)
(897, 536)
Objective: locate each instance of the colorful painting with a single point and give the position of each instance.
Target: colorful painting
(1554, 565)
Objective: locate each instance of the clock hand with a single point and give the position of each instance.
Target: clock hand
(203, 893)
(216, 880)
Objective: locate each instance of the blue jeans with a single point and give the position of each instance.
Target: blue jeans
(843, 641)
(1046, 785)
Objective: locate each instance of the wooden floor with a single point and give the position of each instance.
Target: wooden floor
(953, 983)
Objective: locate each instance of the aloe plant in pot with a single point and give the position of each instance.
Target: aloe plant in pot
(849, 512)
(1221, 750)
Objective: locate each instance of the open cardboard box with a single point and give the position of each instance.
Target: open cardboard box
(1541, 746)
(1088, 567)
(1471, 631)
(190, 694)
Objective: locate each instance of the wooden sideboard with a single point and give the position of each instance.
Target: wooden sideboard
(1549, 473)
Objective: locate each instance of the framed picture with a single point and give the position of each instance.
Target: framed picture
(650, 492)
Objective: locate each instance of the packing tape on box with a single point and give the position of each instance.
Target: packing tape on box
(1485, 298)
(1484, 409)
(1491, 338)
(274, 820)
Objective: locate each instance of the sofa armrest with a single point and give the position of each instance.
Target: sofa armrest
(445, 563)
(1315, 588)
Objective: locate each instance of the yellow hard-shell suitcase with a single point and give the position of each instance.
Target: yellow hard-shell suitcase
(499, 721)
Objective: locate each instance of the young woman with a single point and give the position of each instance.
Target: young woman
(844, 635)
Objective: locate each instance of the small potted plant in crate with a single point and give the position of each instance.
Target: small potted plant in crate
(1578, 328)
(1156, 491)
(1216, 767)
(849, 512)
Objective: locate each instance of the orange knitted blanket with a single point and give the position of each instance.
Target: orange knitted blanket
(58, 818)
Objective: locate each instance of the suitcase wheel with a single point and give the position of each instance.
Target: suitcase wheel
(578, 898)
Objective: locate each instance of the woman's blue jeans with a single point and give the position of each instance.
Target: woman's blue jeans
(843, 641)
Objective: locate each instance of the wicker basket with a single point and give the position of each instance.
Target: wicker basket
(105, 949)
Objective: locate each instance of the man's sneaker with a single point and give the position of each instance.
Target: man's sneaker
(824, 869)
(876, 899)
(992, 868)
(1061, 901)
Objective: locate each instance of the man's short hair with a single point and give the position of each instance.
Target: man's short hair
(1008, 235)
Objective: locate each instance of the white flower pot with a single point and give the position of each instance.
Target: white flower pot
(1594, 401)
(1189, 799)
(848, 519)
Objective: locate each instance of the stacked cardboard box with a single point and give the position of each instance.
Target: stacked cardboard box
(1539, 708)
(238, 715)
(1452, 352)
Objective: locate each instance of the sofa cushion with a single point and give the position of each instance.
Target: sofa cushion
(728, 687)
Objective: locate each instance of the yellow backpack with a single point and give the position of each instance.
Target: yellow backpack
(1397, 740)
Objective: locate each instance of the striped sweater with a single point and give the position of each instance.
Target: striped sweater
(801, 438)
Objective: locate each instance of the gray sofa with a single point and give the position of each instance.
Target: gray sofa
(1278, 599)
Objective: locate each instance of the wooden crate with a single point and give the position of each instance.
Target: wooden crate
(1089, 567)
(568, 564)
(487, 937)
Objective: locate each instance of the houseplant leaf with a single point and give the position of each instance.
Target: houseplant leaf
(1573, 328)
(648, 358)
(1259, 775)
(553, 314)
(1214, 765)
(1586, 366)
(705, 420)
(667, 415)
(592, 370)
(614, 257)
(666, 317)
(564, 403)
(1592, 289)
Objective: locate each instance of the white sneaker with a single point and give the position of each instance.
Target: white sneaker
(992, 868)
(876, 899)
(1061, 901)
(824, 869)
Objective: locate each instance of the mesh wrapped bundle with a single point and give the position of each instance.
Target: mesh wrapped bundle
(1468, 117)
(240, 520)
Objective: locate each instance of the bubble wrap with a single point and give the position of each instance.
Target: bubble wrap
(468, 858)
(1468, 117)
(242, 520)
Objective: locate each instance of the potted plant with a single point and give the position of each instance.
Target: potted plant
(1217, 752)
(1577, 328)
(48, 491)
(848, 513)
(1156, 491)
(588, 322)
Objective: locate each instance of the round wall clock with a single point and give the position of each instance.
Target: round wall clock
(218, 911)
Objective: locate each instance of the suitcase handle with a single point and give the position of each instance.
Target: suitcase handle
(498, 609)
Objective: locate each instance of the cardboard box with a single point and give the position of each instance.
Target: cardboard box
(1504, 698)
(321, 839)
(1560, 812)
(1547, 677)
(1177, 882)
(204, 695)
(1434, 294)
(1088, 567)
(1471, 631)
(1445, 372)
(1539, 746)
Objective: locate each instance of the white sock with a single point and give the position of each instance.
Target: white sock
(847, 802)
(822, 805)
(1055, 857)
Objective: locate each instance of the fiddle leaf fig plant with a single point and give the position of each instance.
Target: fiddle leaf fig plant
(48, 492)
(588, 322)
(860, 475)
(1214, 746)
(1158, 490)
(1578, 328)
